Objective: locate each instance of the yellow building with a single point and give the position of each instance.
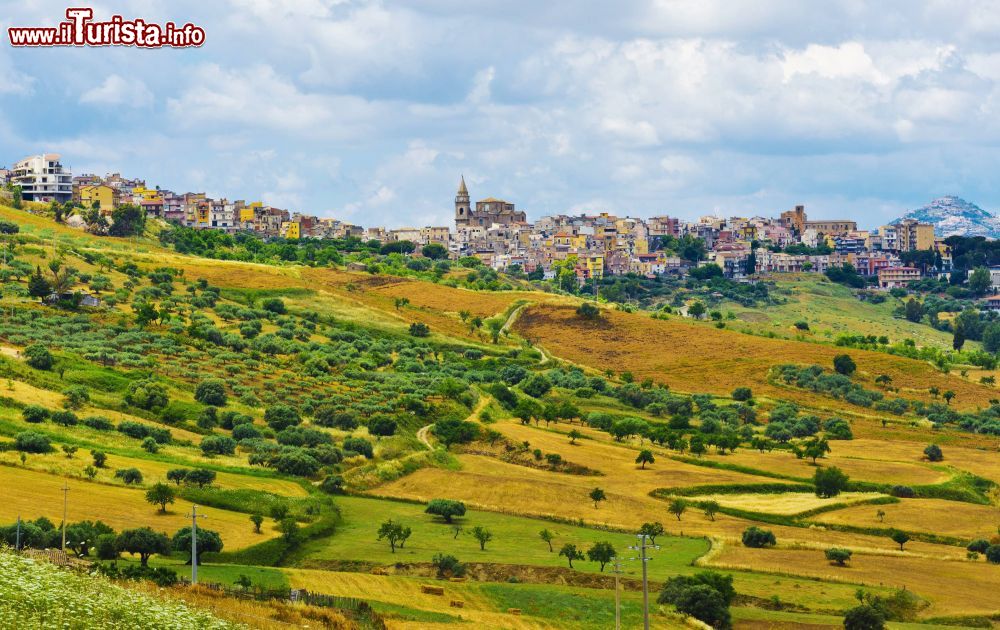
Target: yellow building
(912, 235)
(106, 196)
(290, 229)
(145, 194)
(594, 265)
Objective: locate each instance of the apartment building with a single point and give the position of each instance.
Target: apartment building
(43, 178)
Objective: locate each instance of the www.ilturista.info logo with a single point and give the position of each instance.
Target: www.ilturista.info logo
(79, 29)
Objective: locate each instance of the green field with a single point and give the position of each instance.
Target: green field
(831, 310)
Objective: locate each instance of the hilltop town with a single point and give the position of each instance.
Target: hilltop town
(496, 232)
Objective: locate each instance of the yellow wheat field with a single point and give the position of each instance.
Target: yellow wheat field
(31, 494)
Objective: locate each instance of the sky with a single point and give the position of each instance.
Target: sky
(370, 111)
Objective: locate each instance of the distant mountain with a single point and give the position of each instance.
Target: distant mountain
(954, 216)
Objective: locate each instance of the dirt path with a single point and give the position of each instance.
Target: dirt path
(423, 433)
(10, 351)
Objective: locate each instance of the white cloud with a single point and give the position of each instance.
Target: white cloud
(116, 90)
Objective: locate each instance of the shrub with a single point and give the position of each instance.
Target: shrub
(933, 453)
(281, 416)
(864, 617)
(903, 492)
(98, 423)
(64, 418)
(838, 556)
(31, 442)
(360, 446)
(129, 476)
(38, 356)
(844, 364)
(218, 445)
(536, 386)
(419, 329)
(211, 391)
(757, 538)
(829, 482)
(993, 554)
(588, 311)
(35, 414)
(979, 545)
(274, 305)
(448, 566)
(147, 394)
(706, 596)
(445, 508)
(742, 394)
(837, 429)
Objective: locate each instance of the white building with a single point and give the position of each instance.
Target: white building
(43, 178)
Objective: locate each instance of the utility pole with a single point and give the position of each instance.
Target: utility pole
(641, 548)
(194, 543)
(65, 490)
(617, 569)
(17, 540)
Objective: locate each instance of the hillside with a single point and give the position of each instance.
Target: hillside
(954, 216)
(306, 413)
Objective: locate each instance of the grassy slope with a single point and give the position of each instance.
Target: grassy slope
(697, 358)
(831, 310)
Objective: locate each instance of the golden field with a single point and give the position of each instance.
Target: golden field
(952, 587)
(681, 354)
(934, 516)
(31, 494)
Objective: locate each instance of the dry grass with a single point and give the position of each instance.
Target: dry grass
(984, 462)
(406, 591)
(952, 587)
(681, 354)
(864, 468)
(787, 503)
(935, 516)
(152, 471)
(31, 494)
(266, 615)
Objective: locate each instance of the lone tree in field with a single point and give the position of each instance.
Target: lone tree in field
(548, 537)
(571, 553)
(100, 458)
(678, 507)
(900, 538)
(933, 453)
(864, 617)
(574, 435)
(645, 457)
(143, 542)
(948, 396)
(597, 495)
(445, 508)
(838, 556)
(844, 364)
(394, 533)
(588, 311)
(829, 482)
(651, 531)
(757, 538)
(160, 494)
(601, 552)
(710, 508)
(482, 535)
(257, 520)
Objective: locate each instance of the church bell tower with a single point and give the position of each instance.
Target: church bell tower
(463, 210)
